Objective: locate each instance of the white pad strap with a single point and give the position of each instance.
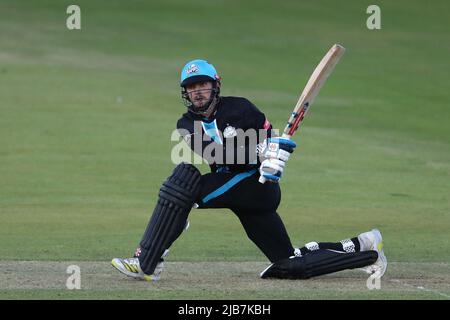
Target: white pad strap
(348, 245)
(312, 246)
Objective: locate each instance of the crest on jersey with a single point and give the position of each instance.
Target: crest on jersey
(192, 69)
(229, 132)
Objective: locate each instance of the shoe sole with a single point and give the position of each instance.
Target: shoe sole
(261, 275)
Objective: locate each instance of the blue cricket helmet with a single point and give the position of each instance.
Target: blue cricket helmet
(196, 71)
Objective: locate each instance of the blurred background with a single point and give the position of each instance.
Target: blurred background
(86, 117)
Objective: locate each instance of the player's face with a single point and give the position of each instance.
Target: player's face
(199, 93)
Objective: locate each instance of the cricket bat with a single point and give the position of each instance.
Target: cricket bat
(312, 88)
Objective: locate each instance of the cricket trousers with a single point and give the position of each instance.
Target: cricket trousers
(255, 205)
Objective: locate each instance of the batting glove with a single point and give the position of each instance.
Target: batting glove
(272, 169)
(276, 152)
(278, 148)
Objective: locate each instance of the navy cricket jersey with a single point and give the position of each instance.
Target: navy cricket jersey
(232, 113)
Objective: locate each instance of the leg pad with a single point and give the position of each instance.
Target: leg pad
(176, 197)
(318, 262)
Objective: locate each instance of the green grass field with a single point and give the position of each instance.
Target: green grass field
(86, 117)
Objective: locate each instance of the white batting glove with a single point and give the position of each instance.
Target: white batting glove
(272, 169)
(279, 148)
(276, 152)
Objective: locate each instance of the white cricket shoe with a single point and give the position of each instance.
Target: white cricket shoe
(372, 240)
(132, 268)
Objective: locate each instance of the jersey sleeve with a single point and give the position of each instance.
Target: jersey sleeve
(256, 118)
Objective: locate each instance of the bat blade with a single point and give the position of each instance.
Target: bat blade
(312, 88)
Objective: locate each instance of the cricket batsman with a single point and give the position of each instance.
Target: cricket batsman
(213, 127)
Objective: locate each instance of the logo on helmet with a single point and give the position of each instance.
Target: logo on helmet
(192, 69)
